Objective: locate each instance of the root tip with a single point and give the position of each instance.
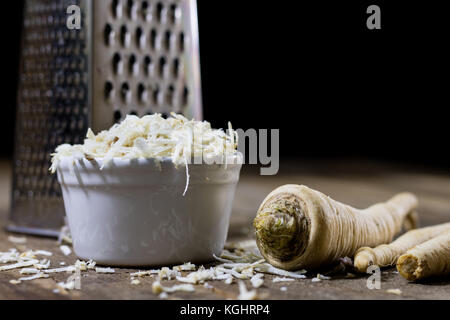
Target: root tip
(407, 266)
(364, 258)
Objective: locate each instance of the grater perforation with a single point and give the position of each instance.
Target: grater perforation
(129, 57)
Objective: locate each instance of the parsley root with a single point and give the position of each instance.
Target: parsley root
(297, 227)
(430, 258)
(387, 254)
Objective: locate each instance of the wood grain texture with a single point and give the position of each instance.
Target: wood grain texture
(358, 184)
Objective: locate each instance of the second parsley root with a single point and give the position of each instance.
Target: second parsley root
(428, 259)
(297, 227)
(387, 254)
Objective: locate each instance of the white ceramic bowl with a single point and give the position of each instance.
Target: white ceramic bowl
(133, 212)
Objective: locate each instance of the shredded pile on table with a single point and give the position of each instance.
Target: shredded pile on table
(30, 264)
(238, 262)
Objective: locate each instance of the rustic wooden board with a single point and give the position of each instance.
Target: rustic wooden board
(359, 184)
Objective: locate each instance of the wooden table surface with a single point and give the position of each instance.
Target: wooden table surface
(357, 183)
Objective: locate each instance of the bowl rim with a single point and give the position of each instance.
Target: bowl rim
(65, 162)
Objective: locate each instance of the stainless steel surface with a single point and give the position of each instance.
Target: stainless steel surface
(129, 56)
(145, 59)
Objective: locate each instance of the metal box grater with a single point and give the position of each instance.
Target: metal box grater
(129, 57)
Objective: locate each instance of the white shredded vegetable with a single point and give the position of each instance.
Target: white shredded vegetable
(157, 288)
(152, 136)
(278, 279)
(199, 276)
(185, 267)
(33, 277)
(163, 295)
(321, 277)
(245, 294)
(67, 269)
(257, 280)
(91, 264)
(229, 280)
(267, 268)
(104, 270)
(144, 273)
(18, 240)
(64, 235)
(208, 286)
(166, 273)
(65, 250)
(81, 265)
(21, 264)
(394, 291)
(42, 253)
(69, 284)
(29, 271)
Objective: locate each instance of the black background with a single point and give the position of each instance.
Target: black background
(314, 71)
